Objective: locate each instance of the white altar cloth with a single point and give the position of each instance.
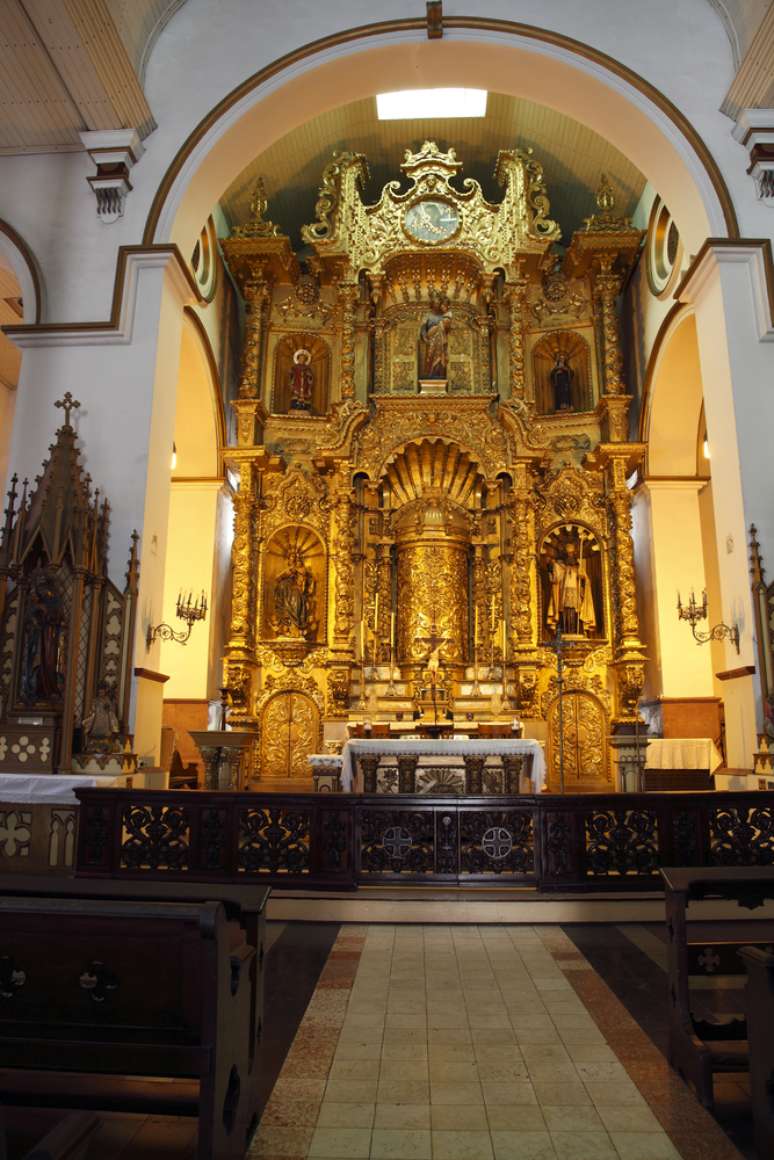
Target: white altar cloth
(56, 788)
(442, 747)
(683, 753)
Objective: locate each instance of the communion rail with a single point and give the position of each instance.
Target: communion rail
(342, 841)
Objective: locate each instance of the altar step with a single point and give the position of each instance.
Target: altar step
(426, 905)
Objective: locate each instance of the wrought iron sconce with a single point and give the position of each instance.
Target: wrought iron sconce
(693, 613)
(188, 610)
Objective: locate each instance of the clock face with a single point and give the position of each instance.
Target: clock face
(431, 221)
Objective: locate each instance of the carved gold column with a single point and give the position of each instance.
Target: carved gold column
(480, 607)
(629, 654)
(257, 294)
(606, 286)
(614, 405)
(516, 295)
(239, 658)
(384, 588)
(342, 541)
(348, 297)
(523, 568)
(523, 622)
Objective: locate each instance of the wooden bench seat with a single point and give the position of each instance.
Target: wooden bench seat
(100, 990)
(700, 1048)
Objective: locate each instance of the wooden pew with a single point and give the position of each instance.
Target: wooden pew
(760, 1020)
(701, 1048)
(104, 997)
(245, 903)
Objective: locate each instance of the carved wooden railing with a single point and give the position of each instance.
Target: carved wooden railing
(579, 842)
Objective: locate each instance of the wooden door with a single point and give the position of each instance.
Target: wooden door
(586, 765)
(290, 731)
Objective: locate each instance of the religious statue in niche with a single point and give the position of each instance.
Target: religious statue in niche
(301, 381)
(101, 727)
(434, 339)
(569, 585)
(561, 377)
(294, 599)
(42, 662)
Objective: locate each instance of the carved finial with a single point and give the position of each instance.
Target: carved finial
(606, 221)
(434, 19)
(68, 404)
(605, 197)
(756, 564)
(257, 226)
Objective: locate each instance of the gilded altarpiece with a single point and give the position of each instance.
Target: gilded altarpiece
(455, 500)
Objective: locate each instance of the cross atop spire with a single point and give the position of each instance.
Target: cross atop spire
(68, 404)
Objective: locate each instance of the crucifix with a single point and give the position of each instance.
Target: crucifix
(67, 404)
(432, 663)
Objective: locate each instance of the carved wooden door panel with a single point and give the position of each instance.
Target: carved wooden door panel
(290, 730)
(585, 744)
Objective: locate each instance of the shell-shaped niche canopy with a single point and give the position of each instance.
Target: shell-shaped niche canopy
(433, 469)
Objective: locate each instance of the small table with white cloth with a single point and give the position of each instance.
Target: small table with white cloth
(681, 763)
(443, 765)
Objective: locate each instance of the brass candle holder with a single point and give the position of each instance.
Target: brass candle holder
(187, 610)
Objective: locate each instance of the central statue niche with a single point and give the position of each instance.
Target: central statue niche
(434, 489)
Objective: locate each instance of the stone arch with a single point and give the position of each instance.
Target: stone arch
(20, 301)
(516, 59)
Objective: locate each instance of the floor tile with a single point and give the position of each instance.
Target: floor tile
(644, 1146)
(401, 1144)
(583, 1146)
(561, 1094)
(332, 1142)
(456, 1093)
(405, 1051)
(515, 1117)
(572, 1118)
(451, 1117)
(396, 1091)
(462, 1145)
(522, 1146)
(402, 1116)
(629, 1119)
(614, 1094)
(520, 1092)
(333, 1115)
(351, 1091)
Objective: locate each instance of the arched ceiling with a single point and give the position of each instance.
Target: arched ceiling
(573, 157)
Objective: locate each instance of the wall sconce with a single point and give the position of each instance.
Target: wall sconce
(694, 612)
(188, 611)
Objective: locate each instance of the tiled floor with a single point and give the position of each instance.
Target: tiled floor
(475, 1043)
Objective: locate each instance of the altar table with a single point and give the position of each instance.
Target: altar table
(443, 749)
(683, 753)
(54, 788)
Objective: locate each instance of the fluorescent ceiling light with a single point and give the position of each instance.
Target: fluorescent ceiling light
(413, 104)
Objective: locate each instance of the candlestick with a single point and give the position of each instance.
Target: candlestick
(392, 630)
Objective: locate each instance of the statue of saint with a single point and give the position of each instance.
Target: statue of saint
(101, 727)
(561, 377)
(301, 381)
(42, 667)
(571, 603)
(434, 340)
(294, 592)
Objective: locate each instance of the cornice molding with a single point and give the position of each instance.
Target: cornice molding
(119, 328)
(756, 255)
